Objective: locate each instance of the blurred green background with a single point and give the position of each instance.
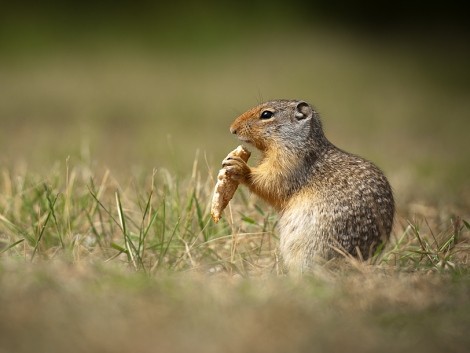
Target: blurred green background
(133, 86)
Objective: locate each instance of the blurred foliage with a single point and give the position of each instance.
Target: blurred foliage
(179, 23)
(147, 84)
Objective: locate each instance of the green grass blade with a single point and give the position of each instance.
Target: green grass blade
(133, 254)
(43, 228)
(11, 246)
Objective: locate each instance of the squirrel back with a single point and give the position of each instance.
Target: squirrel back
(330, 201)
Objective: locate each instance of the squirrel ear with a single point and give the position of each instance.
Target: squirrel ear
(303, 111)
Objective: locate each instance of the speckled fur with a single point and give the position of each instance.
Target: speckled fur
(328, 199)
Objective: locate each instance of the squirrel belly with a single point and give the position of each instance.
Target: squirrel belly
(330, 202)
(336, 215)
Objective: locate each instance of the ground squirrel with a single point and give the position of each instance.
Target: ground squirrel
(328, 199)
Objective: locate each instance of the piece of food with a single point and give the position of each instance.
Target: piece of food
(226, 187)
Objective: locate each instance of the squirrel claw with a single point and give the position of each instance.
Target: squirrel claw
(233, 173)
(236, 168)
(230, 161)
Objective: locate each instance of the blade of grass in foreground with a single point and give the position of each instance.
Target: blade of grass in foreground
(43, 227)
(144, 230)
(132, 252)
(11, 246)
(200, 217)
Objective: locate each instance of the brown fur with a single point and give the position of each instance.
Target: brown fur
(328, 199)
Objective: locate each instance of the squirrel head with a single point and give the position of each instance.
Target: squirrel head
(290, 125)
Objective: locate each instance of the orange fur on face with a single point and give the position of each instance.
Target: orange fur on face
(249, 128)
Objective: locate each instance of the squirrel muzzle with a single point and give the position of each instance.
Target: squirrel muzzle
(243, 127)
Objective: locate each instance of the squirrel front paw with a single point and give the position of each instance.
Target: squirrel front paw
(236, 168)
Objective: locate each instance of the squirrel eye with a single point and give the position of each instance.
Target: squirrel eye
(266, 114)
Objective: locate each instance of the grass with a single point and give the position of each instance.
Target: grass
(89, 263)
(101, 308)
(162, 222)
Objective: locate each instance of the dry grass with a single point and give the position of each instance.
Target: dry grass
(90, 264)
(96, 308)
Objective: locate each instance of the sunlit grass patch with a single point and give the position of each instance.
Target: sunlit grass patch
(162, 223)
(139, 264)
(421, 247)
